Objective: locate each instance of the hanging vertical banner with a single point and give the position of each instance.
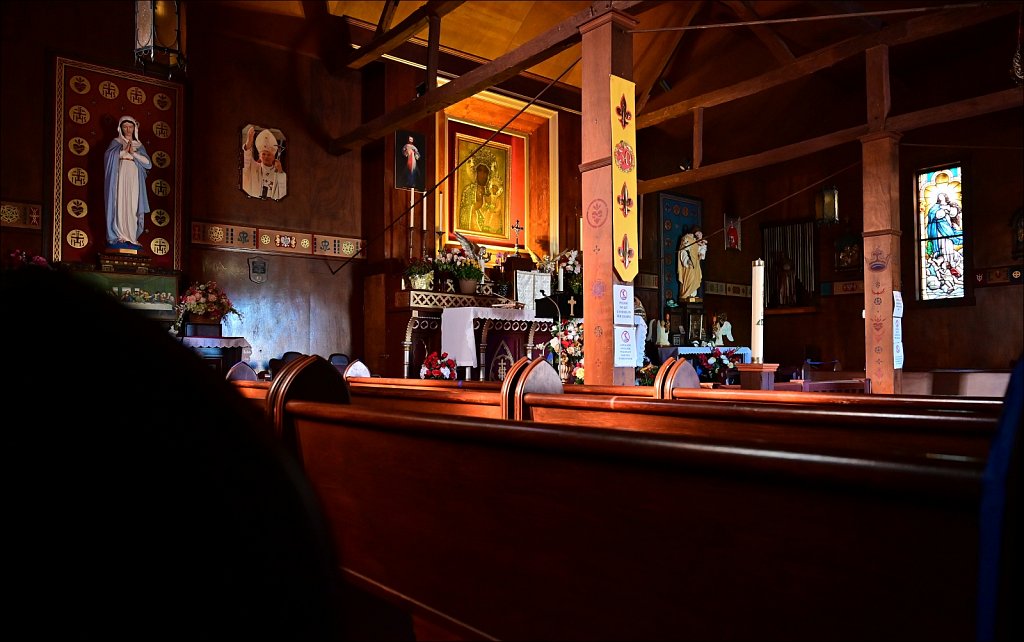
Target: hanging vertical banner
(624, 219)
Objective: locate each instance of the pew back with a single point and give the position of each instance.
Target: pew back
(513, 530)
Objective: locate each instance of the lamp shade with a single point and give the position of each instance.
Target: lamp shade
(827, 206)
(160, 36)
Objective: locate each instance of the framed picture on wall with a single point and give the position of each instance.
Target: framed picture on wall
(678, 215)
(262, 168)
(733, 232)
(153, 295)
(487, 202)
(410, 159)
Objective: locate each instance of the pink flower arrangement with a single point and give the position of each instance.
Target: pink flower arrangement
(205, 299)
(22, 258)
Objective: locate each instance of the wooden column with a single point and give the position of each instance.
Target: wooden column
(881, 256)
(607, 51)
(881, 161)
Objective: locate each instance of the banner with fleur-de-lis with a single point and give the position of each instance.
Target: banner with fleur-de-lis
(625, 206)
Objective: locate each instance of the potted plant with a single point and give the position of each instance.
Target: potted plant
(420, 273)
(468, 273)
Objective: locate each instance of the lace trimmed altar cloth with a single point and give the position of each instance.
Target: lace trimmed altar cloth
(458, 338)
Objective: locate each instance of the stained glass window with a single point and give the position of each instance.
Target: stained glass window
(940, 236)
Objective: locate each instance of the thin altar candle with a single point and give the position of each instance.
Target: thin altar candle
(424, 211)
(412, 209)
(757, 313)
(561, 284)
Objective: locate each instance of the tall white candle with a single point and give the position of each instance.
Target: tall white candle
(757, 313)
(561, 284)
(412, 209)
(424, 212)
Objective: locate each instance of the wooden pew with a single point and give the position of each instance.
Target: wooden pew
(255, 391)
(502, 529)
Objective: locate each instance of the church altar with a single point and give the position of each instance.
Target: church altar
(742, 352)
(489, 339)
(457, 330)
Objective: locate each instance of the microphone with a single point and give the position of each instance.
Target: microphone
(557, 310)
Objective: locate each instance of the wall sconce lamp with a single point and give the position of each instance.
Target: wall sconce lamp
(826, 210)
(160, 36)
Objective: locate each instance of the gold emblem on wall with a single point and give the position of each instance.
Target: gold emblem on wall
(162, 101)
(161, 159)
(77, 238)
(78, 146)
(160, 218)
(77, 208)
(79, 114)
(159, 246)
(109, 90)
(136, 95)
(161, 129)
(80, 84)
(78, 177)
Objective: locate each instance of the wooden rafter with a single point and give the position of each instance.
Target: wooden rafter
(387, 14)
(385, 42)
(765, 34)
(998, 101)
(674, 40)
(551, 42)
(911, 30)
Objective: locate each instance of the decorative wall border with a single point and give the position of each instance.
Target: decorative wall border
(26, 215)
(727, 289)
(273, 241)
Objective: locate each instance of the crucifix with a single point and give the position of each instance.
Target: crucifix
(517, 228)
(572, 305)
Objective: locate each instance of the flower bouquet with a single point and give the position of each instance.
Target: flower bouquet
(715, 367)
(571, 266)
(645, 374)
(565, 351)
(438, 367)
(205, 300)
(22, 258)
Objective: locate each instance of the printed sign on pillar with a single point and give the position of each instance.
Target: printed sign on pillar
(625, 208)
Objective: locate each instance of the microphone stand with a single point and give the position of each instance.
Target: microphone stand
(559, 313)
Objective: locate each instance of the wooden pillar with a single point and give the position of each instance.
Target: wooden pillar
(607, 51)
(881, 162)
(881, 256)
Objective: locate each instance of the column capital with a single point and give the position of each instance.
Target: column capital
(609, 15)
(873, 136)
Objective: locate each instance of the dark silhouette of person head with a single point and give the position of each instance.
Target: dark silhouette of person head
(144, 497)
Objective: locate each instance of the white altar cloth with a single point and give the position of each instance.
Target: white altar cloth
(741, 351)
(220, 342)
(458, 338)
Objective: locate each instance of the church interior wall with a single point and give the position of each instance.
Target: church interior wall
(233, 79)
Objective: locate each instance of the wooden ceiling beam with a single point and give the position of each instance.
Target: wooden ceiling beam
(387, 14)
(387, 41)
(911, 30)
(969, 108)
(765, 34)
(551, 42)
(675, 40)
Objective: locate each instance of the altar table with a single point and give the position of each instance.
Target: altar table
(459, 338)
(671, 351)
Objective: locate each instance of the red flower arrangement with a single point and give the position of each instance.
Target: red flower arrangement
(438, 367)
(715, 367)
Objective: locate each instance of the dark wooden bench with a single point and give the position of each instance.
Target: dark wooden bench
(502, 529)
(530, 393)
